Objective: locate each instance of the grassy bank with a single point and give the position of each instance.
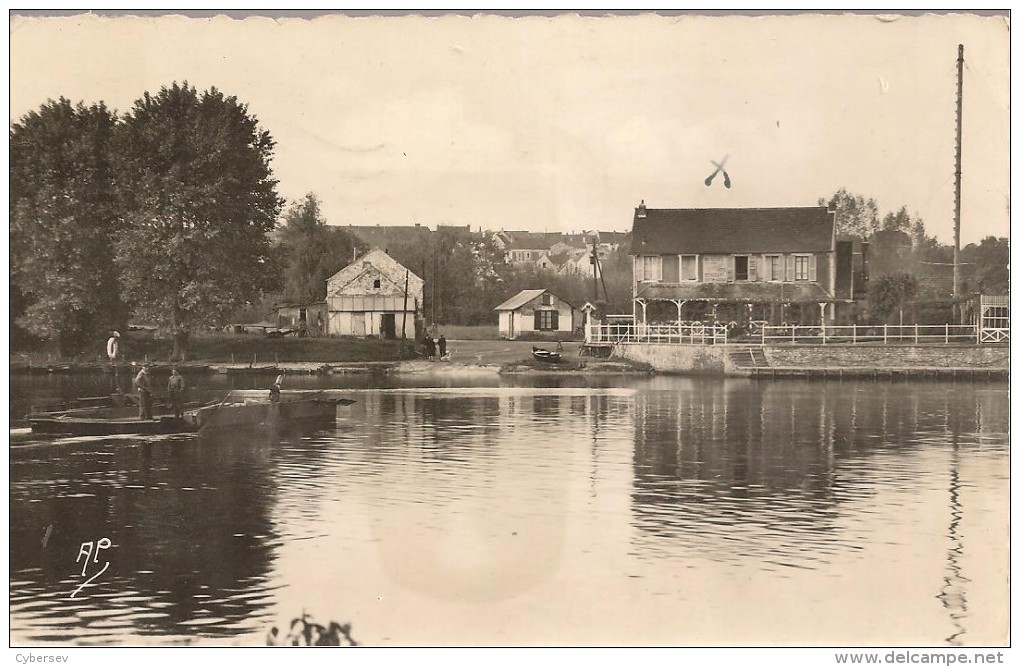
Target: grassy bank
(236, 348)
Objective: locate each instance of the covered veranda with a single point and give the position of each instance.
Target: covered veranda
(743, 305)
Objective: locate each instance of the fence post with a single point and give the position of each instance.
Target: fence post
(947, 333)
(916, 341)
(885, 334)
(793, 334)
(854, 334)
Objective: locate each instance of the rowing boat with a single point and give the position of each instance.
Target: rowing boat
(239, 408)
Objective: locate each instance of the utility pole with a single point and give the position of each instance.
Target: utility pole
(959, 157)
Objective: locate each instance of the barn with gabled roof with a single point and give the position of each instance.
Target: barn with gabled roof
(374, 296)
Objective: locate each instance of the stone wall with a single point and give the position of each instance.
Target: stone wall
(888, 356)
(687, 359)
(716, 359)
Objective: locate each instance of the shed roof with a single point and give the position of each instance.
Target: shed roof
(522, 297)
(732, 230)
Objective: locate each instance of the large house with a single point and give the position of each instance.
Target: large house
(536, 311)
(374, 296)
(737, 264)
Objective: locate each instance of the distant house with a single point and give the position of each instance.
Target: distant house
(536, 311)
(771, 264)
(367, 298)
(525, 247)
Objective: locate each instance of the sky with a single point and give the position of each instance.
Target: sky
(566, 123)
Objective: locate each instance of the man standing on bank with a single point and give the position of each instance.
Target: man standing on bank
(175, 388)
(144, 388)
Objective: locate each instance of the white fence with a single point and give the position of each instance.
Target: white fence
(994, 335)
(886, 333)
(685, 333)
(696, 333)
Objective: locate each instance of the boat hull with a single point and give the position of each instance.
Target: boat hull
(101, 426)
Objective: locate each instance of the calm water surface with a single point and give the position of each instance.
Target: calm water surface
(662, 511)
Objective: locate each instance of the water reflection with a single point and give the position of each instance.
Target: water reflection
(671, 511)
(739, 472)
(192, 545)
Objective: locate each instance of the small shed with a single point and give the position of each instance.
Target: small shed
(536, 311)
(310, 317)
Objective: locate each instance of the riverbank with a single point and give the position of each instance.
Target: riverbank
(479, 357)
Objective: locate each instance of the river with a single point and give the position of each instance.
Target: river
(531, 511)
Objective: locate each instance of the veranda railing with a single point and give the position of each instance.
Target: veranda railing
(683, 333)
(915, 334)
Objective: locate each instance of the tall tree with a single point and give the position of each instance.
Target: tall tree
(891, 293)
(62, 221)
(313, 251)
(988, 263)
(199, 199)
(856, 217)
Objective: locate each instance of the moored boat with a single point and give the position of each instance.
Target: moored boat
(544, 355)
(239, 408)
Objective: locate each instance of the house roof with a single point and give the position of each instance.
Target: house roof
(732, 230)
(523, 297)
(533, 240)
(374, 261)
(761, 292)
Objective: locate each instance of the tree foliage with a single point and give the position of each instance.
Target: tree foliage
(198, 199)
(62, 222)
(988, 265)
(891, 293)
(312, 251)
(856, 217)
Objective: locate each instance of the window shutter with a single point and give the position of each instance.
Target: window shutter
(639, 268)
(538, 320)
(730, 269)
(555, 320)
(752, 269)
(813, 268)
(789, 268)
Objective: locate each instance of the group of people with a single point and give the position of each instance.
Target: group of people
(431, 346)
(143, 384)
(174, 389)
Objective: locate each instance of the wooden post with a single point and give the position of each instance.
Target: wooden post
(885, 333)
(916, 341)
(947, 333)
(403, 320)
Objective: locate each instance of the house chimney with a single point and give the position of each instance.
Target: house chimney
(642, 212)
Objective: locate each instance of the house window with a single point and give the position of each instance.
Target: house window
(740, 270)
(547, 320)
(547, 299)
(688, 267)
(652, 268)
(773, 267)
(377, 283)
(801, 267)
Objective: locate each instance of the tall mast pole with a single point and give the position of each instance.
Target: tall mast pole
(959, 156)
